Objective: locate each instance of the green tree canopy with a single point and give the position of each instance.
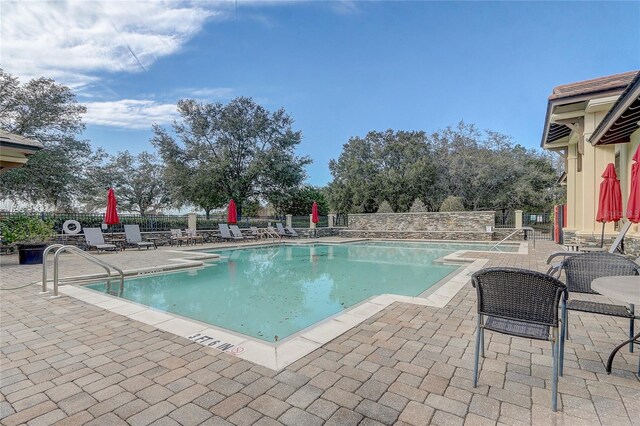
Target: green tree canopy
(486, 170)
(46, 111)
(137, 180)
(300, 200)
(392, 166)
(240, 150)
(452, 204)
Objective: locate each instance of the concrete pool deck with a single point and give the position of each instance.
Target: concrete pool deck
(70, 361)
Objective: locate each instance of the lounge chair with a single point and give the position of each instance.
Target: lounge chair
(615, 246)
(94, 238)
(177, 237)
(255, 232)
(133, 236)
(225, 233)
(522, 303)
(236, 232)
(292, 232)
(282, 232)
(582, 269)
(192, 235)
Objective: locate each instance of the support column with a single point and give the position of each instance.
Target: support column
(518, 219)
(311, 224)
(332, 219)
(192, 220)
(289, 220)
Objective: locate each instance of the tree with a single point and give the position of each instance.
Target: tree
(486, 170)
(452, 204)
(385, 207)
(46, 111)
(392, 166)
(300, 201)
(238, 150)
(137, 181)
(418, 206)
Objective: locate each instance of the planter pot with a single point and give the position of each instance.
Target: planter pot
(30, 254)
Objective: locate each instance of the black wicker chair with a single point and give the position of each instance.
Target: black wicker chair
(582, 269)
(521, 303)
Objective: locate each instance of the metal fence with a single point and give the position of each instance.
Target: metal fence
(505, 219)
(154, 223)
(541, 222)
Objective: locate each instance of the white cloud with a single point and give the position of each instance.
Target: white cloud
(130, 113)
(72, 40)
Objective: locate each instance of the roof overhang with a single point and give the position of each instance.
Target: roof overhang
(15, 150)
(622, 120)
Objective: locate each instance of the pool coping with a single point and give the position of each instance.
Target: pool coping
(281, 354)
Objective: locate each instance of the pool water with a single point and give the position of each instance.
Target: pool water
(272, 292)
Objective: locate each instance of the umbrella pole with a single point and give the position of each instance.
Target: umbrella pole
(602, 236)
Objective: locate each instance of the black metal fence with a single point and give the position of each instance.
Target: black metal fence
(505, 219)
(541, 222)
(154, 223)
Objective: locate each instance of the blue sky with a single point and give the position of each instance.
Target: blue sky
(340, 69)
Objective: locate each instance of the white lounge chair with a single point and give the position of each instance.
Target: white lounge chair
(94, 238)
(225, 233)
(134, 237)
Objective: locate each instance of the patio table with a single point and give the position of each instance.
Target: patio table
(625, 289)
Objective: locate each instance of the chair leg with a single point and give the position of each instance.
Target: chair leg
(477, 352)
(482, 342)
(631, 326)
(554, 379)
(564, 317)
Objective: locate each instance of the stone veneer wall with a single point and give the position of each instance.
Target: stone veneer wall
(424, 225)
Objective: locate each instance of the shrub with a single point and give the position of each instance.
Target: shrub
(25, 229)
(385, 207)
(452, 204)
(418, 206)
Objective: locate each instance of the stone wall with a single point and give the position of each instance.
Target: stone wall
(423, 225)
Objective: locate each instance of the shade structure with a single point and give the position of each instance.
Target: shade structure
(232, 214)
(633, 204)
(315, 218)
(111, 215)
(610, 201)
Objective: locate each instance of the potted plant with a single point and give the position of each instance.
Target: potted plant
(29, 233)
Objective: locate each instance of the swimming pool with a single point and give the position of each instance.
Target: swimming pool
(272, 292)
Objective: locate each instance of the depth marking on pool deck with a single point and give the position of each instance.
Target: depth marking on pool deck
(212, 342)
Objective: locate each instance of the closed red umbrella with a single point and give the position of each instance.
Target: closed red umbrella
(111, 215)
(610, 202)
(315, 218)
(633, 205)
(232, 215)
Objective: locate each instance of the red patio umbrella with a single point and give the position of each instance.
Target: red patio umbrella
(111, 215)
(232, 215)
(633, 205)
(314, 213)
(610, 202)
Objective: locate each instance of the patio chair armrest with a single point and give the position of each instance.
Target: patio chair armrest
(562, 254)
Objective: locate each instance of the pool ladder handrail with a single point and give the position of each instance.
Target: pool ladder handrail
(78, 252)
(524, 228)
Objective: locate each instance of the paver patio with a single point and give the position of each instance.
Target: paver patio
(68, 362)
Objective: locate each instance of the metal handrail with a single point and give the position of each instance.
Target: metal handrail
(75, 250)
(44, 265)
(524, 228)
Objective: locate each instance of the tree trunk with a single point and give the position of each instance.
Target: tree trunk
(206, 213)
